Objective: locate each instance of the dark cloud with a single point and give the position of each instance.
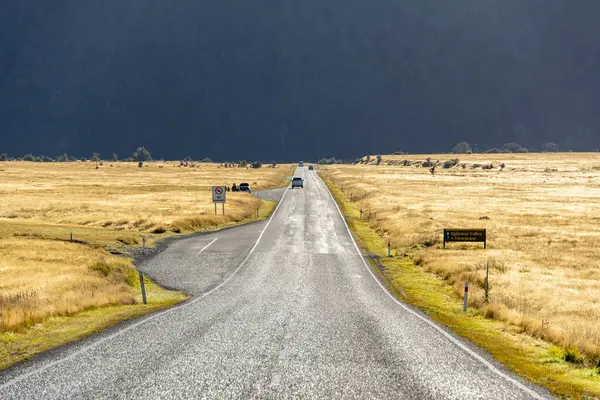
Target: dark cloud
(266, 79)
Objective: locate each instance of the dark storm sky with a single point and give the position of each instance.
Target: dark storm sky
(277, 79)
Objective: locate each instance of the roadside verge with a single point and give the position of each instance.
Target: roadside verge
(535, 360)
(40, 334)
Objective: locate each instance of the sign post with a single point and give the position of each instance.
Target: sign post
(219, 195)
(465, 235)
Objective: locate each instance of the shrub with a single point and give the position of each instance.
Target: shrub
(206, 160)
(399, 153)
(29, 157)
(3, 157)
(256, 164)
(128, 240)
(550, 147)
(115, 157)
(513, 148)
(379, 159)
(95, 157)
(427, 163)
(243, 163)
(62, 158)
(45, 159)
(329, 161)
(141, 154)
(450, 163)
(493, 151)
(462, 148)
(573, 356)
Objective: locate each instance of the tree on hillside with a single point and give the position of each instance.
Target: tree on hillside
(29, 157)
(3, 157)
(513, 148)
(256, 164)
(115, 157)
(206, 160)
(63, 158)
(550, 147)
(141, 154)
(95, 157)
(462, 148)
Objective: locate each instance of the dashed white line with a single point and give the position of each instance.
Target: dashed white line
(207, 246)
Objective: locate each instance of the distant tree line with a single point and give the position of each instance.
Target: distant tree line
(465, 148)
(329, 161)
(141, 154)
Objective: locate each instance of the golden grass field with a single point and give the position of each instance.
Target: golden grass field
(542, 213)
(44, 275)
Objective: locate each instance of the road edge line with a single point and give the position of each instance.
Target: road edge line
(152, 317)
(450, 337)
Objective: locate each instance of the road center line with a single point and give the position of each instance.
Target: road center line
(207, 246)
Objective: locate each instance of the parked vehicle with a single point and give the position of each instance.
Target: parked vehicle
(297, 183)
(301, 164)
(310, 168)
(244, 187)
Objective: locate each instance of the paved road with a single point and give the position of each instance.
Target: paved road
(282, 309)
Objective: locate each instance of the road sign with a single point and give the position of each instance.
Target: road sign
(465, 235)
(219, 194)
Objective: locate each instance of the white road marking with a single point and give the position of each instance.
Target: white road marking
(146, 320)
(455, 341)
(207, 246)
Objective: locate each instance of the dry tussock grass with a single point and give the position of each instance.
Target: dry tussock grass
(41, 278)
(42, 275)
(542, 213)
(123, 196)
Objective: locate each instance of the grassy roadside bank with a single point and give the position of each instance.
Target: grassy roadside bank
(60, 330)
(536, 360)
(35, 336)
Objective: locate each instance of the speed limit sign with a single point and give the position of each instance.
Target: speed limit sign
(219, 194)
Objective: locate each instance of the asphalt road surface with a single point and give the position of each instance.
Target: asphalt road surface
(285, 308)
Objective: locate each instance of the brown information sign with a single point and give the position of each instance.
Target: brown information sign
(465, 235)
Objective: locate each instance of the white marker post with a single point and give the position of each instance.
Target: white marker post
(466, 296)
(219, 195)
